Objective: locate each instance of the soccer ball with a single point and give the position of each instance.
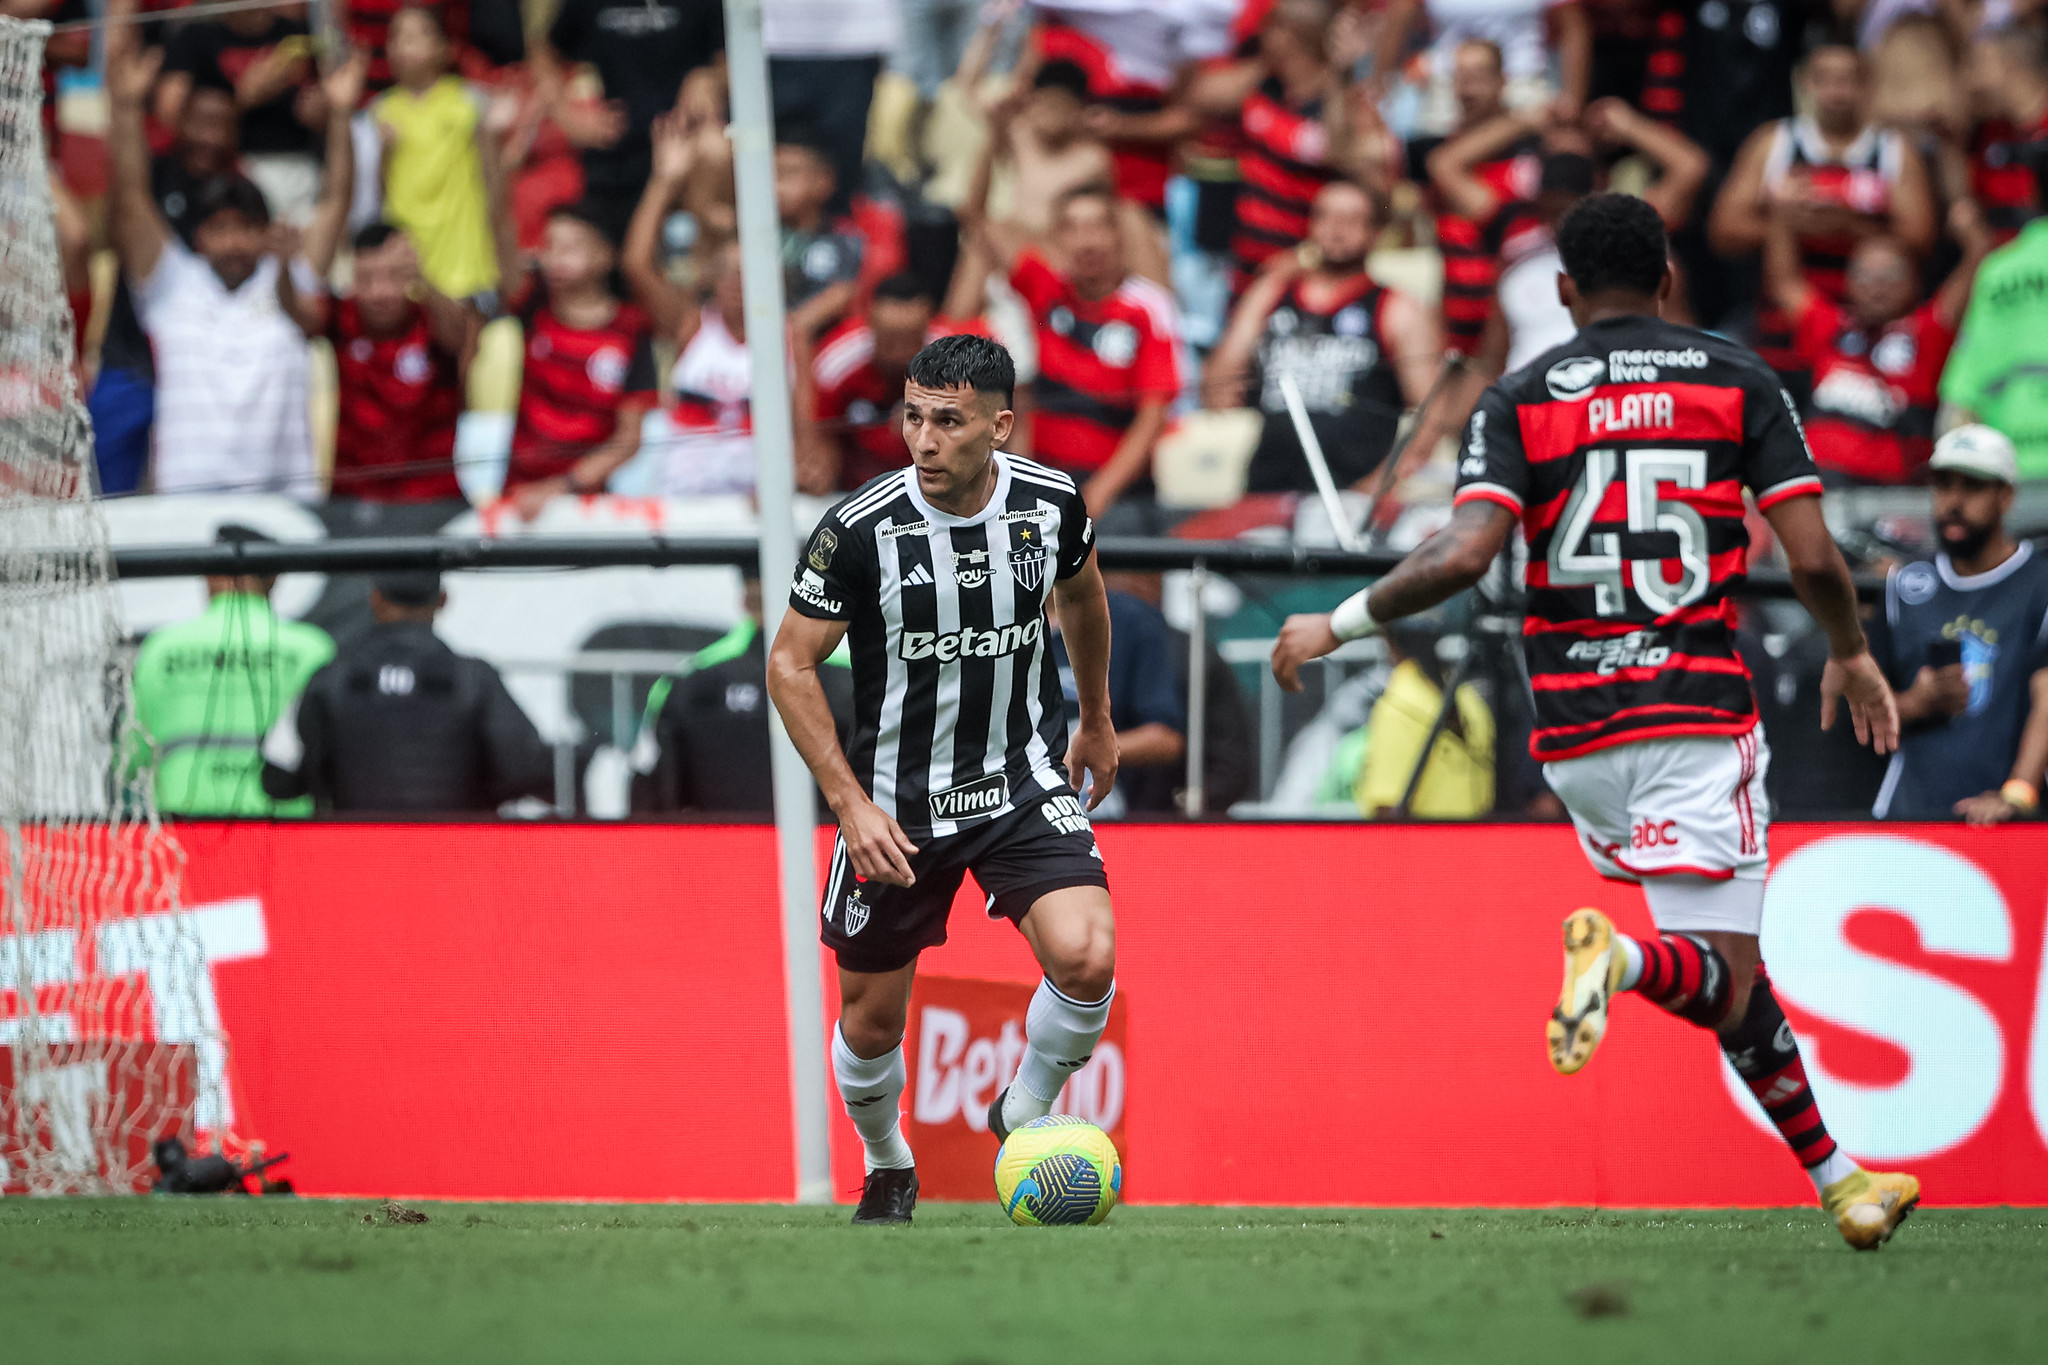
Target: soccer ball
(1056, 1170)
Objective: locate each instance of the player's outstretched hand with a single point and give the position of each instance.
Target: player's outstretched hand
(1860, 684)
(1302, 638)
(1093, 752)
(877, 846)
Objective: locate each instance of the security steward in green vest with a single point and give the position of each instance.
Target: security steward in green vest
(208, 690)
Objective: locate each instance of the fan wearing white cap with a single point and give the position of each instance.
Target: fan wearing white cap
(1965, 640)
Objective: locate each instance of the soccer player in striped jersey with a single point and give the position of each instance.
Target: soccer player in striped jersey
(937, 577)
(1624, 454)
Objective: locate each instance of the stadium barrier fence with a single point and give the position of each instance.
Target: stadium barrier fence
(492, 1011)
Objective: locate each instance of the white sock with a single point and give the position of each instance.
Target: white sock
(1060, 1034)
(1836, 1167)
(1631, 959)
(873, 1090)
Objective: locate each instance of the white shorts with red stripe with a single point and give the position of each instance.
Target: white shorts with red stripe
(1671, 807)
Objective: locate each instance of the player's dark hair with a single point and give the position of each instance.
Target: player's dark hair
(373, 236)
(1613, 242)
(902, 287)
(231, 194)
(1061, 74)
(966, 361)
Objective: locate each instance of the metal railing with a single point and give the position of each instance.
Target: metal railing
(1199, 559)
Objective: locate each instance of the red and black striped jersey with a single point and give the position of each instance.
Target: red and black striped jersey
(1282, 166)
(1625, 453)
(2002, 157)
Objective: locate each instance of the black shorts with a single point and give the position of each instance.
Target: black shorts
(1015, 858)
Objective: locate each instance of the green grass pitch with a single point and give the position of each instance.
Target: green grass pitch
(283, 1280)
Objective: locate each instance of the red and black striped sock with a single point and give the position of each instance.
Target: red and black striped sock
(1685, 976)
(1765, 1054)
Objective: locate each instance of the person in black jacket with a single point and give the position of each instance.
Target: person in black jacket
(399, 723)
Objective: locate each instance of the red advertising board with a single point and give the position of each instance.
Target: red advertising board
(962, 1045)
(1340, 1015)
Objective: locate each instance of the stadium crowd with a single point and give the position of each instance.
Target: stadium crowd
(1182, 216)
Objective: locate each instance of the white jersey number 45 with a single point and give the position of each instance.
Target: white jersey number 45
(1581, 558)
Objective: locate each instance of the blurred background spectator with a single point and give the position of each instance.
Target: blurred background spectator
(1965, 639)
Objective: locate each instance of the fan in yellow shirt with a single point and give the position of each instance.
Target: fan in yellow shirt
(1458, 783)
(435, 161)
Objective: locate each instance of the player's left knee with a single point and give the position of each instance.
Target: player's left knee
(1083, 964)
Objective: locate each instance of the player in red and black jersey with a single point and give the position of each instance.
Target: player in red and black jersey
(1624, 454)
(1876, 359)
(589, 374)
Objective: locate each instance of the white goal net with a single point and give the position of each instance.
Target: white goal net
(108, 1035)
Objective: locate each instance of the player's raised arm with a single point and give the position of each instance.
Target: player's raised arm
(1821, 579)
(877, 844)
(1084, 621)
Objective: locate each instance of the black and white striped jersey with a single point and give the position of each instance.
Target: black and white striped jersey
(958, 715)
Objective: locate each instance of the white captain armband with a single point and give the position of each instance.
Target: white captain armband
(1351, 620)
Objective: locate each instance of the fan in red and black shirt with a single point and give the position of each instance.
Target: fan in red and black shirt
(589, 374)
(2008, 76)
(1485, 179)
(1288, 148)
(1841, 175)
(1876, 359)
(855, 430)
(400, 352)
(1107, 339)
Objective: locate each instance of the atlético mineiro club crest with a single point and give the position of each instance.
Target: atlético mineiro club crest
(856, 912)
(1027, 566)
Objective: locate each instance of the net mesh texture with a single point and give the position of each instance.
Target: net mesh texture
(109, 1034)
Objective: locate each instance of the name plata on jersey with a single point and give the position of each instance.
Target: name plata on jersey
(1031, 851)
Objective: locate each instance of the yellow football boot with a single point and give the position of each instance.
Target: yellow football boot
(1592, 973)
(1868, 1206)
